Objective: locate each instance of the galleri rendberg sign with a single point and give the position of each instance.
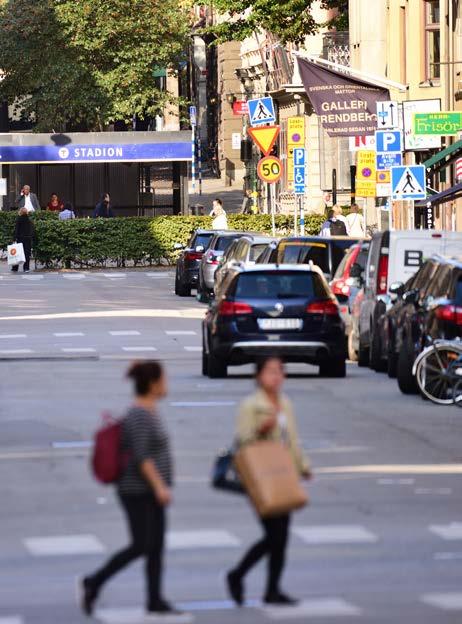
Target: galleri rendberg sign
(346, 106)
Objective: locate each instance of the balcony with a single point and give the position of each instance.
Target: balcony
(336, 47)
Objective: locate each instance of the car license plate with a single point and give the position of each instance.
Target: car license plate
(284, 323)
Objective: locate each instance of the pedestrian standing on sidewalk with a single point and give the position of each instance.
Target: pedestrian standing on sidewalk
(103, 208)
(28, 200)
(143, 489)
(220, 220)
(355, 223)
(24, 233)
(268, 415)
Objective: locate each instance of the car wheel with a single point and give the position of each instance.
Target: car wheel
(216, 368)
(333, 368)
(392, 364)
(363, 355)
(352, 354)
(176, 284)
(205, 364)
(406, 380)
(375, 357)
(183, 289)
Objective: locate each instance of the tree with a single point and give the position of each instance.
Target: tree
(288, 20)
(91, 62)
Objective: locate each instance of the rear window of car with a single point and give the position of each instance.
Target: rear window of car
(201, 240)
(279, 285)
(342, 266)
(256, 251)
(303, 253)
(224, 242)
(339, 247)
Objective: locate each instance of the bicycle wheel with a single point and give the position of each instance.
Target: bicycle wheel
(432, 375)
(457, 393)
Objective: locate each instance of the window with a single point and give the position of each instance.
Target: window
(280, 285)
(432, 39)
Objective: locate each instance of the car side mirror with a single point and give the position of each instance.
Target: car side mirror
(397, 288)
(178, 246)
(356, 271)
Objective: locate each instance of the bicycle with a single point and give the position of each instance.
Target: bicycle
(438, 372)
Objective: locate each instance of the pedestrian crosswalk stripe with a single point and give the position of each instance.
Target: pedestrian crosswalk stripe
(127, 332)
(180, 333)
(451, 531)
(202, 403)
(11, 619)
(12, 336)
(15, 351)
(74, 276)
(335, 534)
(33, 278)
(193, 349)
(78, 350)
(139, 349)
(449, 601)
(59, 545)
(208, 538)
(115, 275)
(68, 334)
(316, 607)
(138, 616)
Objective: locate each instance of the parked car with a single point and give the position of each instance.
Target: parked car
(353, 338)
(393, 257)
(326, 253)
(187, 266)
(243, 252)
(286, 310)
(431, 309)
(345, 287)
(220, 242)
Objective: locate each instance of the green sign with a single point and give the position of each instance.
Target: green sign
(441, 124)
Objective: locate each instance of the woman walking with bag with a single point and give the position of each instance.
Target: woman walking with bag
(143, 489)
(268, 415)
(24, 233)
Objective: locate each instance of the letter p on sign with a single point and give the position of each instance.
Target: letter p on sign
(389, 141)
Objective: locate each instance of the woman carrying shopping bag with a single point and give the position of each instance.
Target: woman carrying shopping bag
(24, 233)
(268, 415)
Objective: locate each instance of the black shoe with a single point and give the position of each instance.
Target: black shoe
(235, 588)
(164, 608)
(87, 596)
(278, 598)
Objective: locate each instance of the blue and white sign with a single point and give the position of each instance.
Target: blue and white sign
(389, 141)
(193, 115)
(261, 111)
(142, 152)
(388, 160)
(299, 170)
(387, 115)
(408, 182)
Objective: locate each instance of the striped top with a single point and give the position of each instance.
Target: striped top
(144, 436)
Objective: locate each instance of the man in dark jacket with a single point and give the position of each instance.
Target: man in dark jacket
(24, 233)
(28, 200)
(103, 208)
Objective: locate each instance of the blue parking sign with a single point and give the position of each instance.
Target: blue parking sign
(389, 141)
(299, 156)
(387, 160)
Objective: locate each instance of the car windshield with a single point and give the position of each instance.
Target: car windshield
(224, 242)
(279, 285)
(255, 251)
(303, 253)
(202, 240)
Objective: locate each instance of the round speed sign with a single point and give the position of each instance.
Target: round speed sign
(270, 169)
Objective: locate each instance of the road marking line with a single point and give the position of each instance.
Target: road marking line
(202, 403)
(68, 334)
(335, 534)
(447, 556)
(74, 276)
(78, 350)
(159, 275)
(72, 444)
(139, 349)
(32, 277)
(64, 545)
(396, 481)
(183, 540)
(451, 531)
(317, 607)
(193, 349)
(138, 616)
(433, 491)
(180, 333)
(12, 336)
(15, 351)
(11, 619)
(450, 601)
(115, 275)
(126, 332)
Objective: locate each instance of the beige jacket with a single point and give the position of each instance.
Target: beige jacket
(257, 408)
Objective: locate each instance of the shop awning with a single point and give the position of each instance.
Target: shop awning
(438, 161)
(444, 196)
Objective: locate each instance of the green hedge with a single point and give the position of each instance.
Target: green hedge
(131, 241)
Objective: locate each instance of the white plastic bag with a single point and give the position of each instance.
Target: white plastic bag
(16, 254)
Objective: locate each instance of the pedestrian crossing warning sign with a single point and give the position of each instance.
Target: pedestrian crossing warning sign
(408, 182)
(261, 111)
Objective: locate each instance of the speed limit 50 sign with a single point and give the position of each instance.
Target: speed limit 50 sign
(270, 169)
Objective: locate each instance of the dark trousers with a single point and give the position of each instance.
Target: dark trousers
(27, 244)
(273, 544)
(146, 520)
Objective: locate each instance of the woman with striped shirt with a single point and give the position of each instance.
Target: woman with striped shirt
(143, 489)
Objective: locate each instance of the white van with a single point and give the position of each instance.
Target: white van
(394, 256)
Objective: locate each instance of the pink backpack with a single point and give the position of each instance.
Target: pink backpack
(108, 460)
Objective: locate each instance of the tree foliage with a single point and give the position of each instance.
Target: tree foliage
(288, 20)
(88, 62)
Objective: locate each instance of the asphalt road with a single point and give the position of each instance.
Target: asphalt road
(381, 541)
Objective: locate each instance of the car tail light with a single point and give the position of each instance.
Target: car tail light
(450, 313)
(382, 275)
(340, 287)
(323, 307)
(191, 256)
(232, 308)
(212, 259)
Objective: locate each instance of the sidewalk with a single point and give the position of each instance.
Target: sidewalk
(231, 196)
